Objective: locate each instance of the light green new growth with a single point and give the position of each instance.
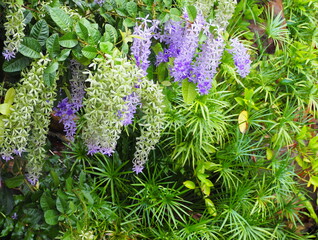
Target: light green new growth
(27, 126)
(112, 81)
(14, 27)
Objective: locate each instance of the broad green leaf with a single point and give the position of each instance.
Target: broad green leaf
(30, 48)
(175, 14)
(269, 153)
(64, 54)
(167, 3)
(61, 18)
(49, 78)
(94, 36)
(15, 65)
(59, 205)
(55, 178)
(47, 202)
(106, 47)
(40, 31)
(313, 143)
(210, 207)
(110, 34)
(89, 52)
(9, 96)
(128, 22)
(5, 108)
(131, 8)
(189, 92)
(206, 189)
(51, 217)
(52, 67)
(88, 196)
(52, 45)
(189, 184)
(243, 121)
(14, 181)
(192, 13)
(69, 40)
(81, 31)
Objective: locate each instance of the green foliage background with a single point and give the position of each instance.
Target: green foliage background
(209, 177)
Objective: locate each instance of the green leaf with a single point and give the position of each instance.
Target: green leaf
(89, 52)
(55, 178)
(40, 31)
(49, 78)
(47, 202)
(5, 108)
(64, 54)
(30, 48)
(61, 18)
(69, 40)
(131, 8)
(175, 14)
(192, 13)
(94, 36)
(189, 92)
(14, 181)
(52, 45)
(59, 206)
(15, 65)
(110, 34)
(52, 67)
(128, 22)
(189, 184)
(81, 31)
(88, 196)
(210, 207)
(313, 143)
(9, 96)
(51, 217)
(106, 47)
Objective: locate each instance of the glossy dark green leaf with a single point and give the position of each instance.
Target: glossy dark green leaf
(16, 64)
(89, 52)
(40, 31)
(68, 40)
(131, 8)
(61, 18)
(30, 47)
(52, 45)
(51, 217)
(189, 92)
(14, 181)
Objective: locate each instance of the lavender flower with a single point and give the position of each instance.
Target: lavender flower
(141, 47)
(66, 112)
(241, 57)
(7, 157)
(137, 168)
(182, 64)
(77, 85)
(132, 101)
(32, 179)
(99, 2)
(173, 36)
(14, 216)
(206, 63)
(8, 55)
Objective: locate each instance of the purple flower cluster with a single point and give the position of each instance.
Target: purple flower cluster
(141, 46)
(204, 68)
(132, 101)
(99, 2)
(182, 64)
(32, 179)
(77, 85)
(8, 55)
(96, 148)
(65, 110)
(241, 57)
(173, 36)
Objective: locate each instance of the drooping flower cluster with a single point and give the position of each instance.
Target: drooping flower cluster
(111, 100)
(14, 28)
(182, 63)
(205, 66)
(26, 127)
(67, 109)
(141, 46)
(241, 57)
(127, 114)
(224, 13)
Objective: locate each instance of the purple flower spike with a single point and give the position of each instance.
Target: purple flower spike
(132, 101)
(8, 55)
(99, 2)
(137, 169)
(241, 57)
(7, 157)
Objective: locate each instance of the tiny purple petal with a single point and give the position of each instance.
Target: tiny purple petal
(8, 55)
